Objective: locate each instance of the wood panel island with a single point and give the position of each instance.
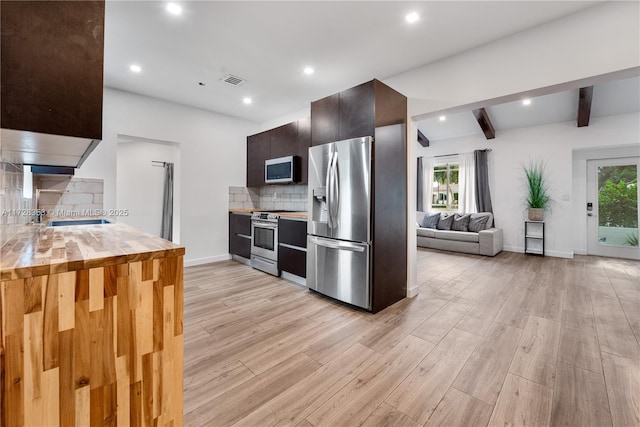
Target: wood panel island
(91, 330)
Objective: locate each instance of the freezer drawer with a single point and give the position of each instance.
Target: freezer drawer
(339, 269)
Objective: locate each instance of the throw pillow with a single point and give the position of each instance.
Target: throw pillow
(431, 221)
(478, 223)
(445, 222)
(461, 222)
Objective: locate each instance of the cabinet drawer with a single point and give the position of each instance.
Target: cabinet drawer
(292, 261)
(239, 245)
(240, 224)
(292, 232)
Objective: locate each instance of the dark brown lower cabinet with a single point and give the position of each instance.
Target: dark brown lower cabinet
(292, 254)
(240, 234)
(292, 260)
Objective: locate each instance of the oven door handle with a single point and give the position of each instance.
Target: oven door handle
(265, 224)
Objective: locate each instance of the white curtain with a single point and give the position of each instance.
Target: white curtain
(427, 168)
(466, 184)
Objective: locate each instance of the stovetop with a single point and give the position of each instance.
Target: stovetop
(268, 215)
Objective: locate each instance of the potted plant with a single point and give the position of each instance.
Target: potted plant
(537, 199)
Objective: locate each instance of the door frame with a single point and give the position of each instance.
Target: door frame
(593, 248)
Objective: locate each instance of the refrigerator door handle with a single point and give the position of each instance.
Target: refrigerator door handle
(328, 190)
(343, 246)
(335, 190)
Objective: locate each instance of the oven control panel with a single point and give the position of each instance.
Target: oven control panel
(265, 216)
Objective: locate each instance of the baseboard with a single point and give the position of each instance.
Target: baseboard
(293, 278)
(206, 260)
(579, 252)
(412, 292)
(555, 254)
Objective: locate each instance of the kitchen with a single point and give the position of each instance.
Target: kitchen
(240, 345)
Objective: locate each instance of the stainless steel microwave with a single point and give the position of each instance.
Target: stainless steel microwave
(280, 170)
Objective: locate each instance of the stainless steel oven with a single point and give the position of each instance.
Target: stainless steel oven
(264, 242)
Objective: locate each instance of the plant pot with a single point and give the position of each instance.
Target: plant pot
(536, 214)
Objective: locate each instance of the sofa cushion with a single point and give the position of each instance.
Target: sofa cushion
(445, 222)
(426, 232)
(460, 236)
(419, 218)
(431, 220)
(480, 221)
(461, 222)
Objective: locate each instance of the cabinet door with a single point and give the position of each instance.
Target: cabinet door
(292, 261)
(304, 142)
(240, 235)
(52, 67)
(292, 232)
(240, 224)
(283, 140)
(258, 150)
(357, 111)
(325, 120)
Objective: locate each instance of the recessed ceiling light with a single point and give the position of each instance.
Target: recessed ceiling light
(526, 101)
(412, 17)
(442, 118)
(174, 8)
(247, 101)
(308, 70)
(135, 68)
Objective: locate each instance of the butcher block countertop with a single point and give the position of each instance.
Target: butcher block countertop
(37, 250)
(298, 215)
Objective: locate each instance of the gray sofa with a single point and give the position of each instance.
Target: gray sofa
(485, 242)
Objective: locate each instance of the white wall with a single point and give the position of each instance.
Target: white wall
(554, 144)
(283, 120)
(599, 40)
(213, 146)
(140, 183)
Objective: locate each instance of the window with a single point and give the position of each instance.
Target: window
(445, 186)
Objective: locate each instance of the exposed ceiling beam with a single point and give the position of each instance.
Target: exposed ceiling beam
(584, 106)
(422, 139)
(485, 123)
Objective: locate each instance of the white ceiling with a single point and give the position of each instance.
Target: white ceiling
(609, 98)
(269, 43)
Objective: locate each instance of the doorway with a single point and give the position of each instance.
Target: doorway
(612, 207)
(140, 183)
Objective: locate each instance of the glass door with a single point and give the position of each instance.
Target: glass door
(612, 207)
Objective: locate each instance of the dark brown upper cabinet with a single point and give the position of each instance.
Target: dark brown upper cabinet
(51, 72)
(356, 112)
(325, 120)
(284, 140)
(292, 139)
(304, 142)
(258, 150)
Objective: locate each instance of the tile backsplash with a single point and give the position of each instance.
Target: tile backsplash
(272, 197)
(13, 206)
(77, 197)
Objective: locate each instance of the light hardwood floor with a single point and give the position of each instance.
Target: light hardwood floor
(512, 340)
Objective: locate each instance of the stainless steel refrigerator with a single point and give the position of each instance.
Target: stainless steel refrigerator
(339, 226)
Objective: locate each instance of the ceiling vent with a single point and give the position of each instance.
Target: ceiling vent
(233, 80)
